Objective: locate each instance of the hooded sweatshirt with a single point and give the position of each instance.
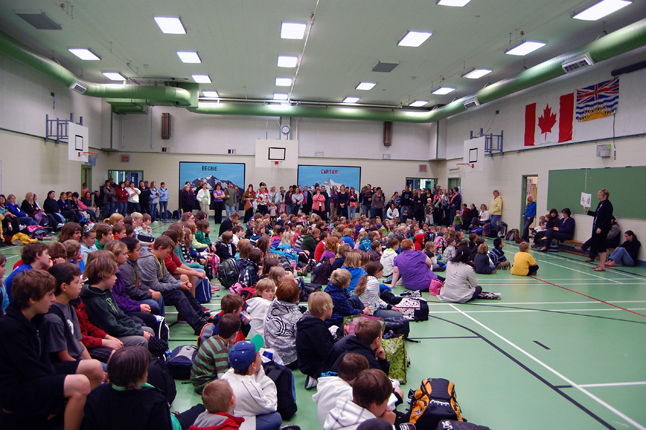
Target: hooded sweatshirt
(342, 305)
(255, 395)
(257, 308)
(153, 273)
(104, 313)
(130, 276)
(280, 329)
(387, 258)
(314, 345)
(346, 415)
(216, 421)
(328, 390)
(352, 344)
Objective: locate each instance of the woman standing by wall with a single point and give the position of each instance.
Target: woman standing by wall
(600, 227)
(218, 202)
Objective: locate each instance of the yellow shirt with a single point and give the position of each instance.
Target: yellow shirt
(522, 261)
(495, 207)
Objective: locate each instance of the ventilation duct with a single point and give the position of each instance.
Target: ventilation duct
(577, 63)
(76, 86)
(471, 103)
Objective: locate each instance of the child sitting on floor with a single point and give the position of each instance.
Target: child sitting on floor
(484, 266)
(220, 402)
(257, 305)
(524, 263)
(497, 255)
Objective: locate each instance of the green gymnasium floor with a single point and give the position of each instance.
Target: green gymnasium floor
(562, 350)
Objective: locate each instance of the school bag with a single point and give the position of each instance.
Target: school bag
(502, 229)
(395, 348)
(243, 291)
(181, 360)
(207, 332)
(511, 234)
(228, 272)
(459, 425)
(284, 380)
(160, 377)
(415, 309)
(158, 347)
(322, 271)
(432, 402)
(203, 293)
(397, 326)
(435, 287)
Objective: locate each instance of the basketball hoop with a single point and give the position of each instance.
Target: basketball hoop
(466, 166)
(91, 157)
(277, 163)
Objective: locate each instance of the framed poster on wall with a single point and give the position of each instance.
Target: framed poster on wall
(211, 173)
(328, 176)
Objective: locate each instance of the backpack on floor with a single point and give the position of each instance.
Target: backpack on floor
(177, 214)
(486, 229)
(398, 326)
(502, 229)
(181, 360)
(284, 380)
(203, 293)
(228, 272)
(510, 234)
(160, 377)
(415, 309)
(434, 401)
(395, 348)
(243, 291)
(321, 271)
(168, 214)
(207, 332)
(458, 425)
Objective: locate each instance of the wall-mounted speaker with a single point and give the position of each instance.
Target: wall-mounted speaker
(165, 132)
(388, 133)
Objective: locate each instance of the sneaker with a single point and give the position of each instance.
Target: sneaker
(60, 225)
(310, 383)
(214, 287)
(406, 426)
(206, 310)
(198, 329)
(497, 295)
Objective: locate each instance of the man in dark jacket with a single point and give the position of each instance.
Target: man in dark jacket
(307, 201)
(365, 341)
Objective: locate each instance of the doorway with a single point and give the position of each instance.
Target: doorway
(454, 182)
(530, 187)
(86, 176)
(131, 175)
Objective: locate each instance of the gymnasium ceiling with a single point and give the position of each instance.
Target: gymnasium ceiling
(239, 41)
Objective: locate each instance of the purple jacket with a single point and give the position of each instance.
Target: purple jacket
(124, 301)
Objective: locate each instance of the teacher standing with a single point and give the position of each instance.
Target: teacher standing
(600, 227)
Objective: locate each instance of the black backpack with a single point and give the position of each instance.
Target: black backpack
(284, 380)
(434, 401)
(459, 425)
(160, 377)
(321, 272)
(181, 360)
(228, 272)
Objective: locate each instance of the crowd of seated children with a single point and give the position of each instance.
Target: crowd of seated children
(365, 341)
(212, 358)
(337, 289)
(130, 275)
(367, 291)
(281, 319)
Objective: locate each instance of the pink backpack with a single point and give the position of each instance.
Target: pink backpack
(435, 287)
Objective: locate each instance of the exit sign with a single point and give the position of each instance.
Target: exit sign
(125, 159)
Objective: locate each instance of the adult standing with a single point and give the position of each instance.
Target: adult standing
(262, 199)
(288, 200)
(353, 203)
(133, 198)
(564, 231)
(456, 203)
(419, 202)
(297, 200)
(307, 200)
(413, 267)
(366, 200)
(600, 227)
(528, 216)
(230, 200)
(318, 204)
(204, 197)
(122, 198)
(164, 195)
(186, 198)
(218, 203)
(154, 199)
(343, 199)
(144, 198)
(248, 200)
(109, 200)
(334, 201)
(378, 202)
(495, 209)
(406, 200)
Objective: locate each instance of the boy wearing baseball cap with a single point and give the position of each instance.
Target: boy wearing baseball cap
(255, 392)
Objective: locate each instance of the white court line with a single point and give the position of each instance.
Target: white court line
(539, 310)
(541, 303)
(617, 384)
(570, 382)
(580, 271)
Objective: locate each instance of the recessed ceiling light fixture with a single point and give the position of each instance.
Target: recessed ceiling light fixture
(189, 57)
(280, 96)
(170, 25)
(351, 100)
(525, 48)
(419, 103)
(414, 39)
(201, 79)
(366, 86)
(443, 90)
(212, 94)
(477, 73)
(292, 30)
(283, 82)
(114, 76)
(454, 3)
(84, 54)
(287, 61)
(601, 9)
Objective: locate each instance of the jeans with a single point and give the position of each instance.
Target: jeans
(229, 210)
(271, 421)
(621, 256)
(123, 208)
(532, 270)
(495, 221)
(163, 207)
(153, 212)
(385, 313)
(353, 211)
(186, 306)
(288, 209)
(27, 221)
(109, 208)
(528, 222)
(133, 207)
(365, 209)
(157, 307)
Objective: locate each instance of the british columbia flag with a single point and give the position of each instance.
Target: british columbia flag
(597, 101)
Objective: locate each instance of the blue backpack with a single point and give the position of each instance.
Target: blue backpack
(180, 361)
(203, 293)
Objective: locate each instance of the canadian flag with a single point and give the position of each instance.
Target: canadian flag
(549, 121)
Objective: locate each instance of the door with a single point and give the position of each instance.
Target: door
(454, 182)
(86, 176)
(529, 187)
(131, 175)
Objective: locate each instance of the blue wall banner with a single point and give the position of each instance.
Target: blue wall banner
(327, 176)
(211, 173)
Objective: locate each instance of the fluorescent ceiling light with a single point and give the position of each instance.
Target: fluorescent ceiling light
(477, 73)
(211, 94)
(189, 57)
(525, 48)
(292, 30)
(287, 61)
(419, 103)
(454, 3)
(601, 9)
(366, 86)
(443, 90)
(114, 76)
(351, 100)
(202, 79)
(84, 54)
(170, 25)
(280, 96)
(414, 39)
(283, 82)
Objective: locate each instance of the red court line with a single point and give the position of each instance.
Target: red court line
(590, 297)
